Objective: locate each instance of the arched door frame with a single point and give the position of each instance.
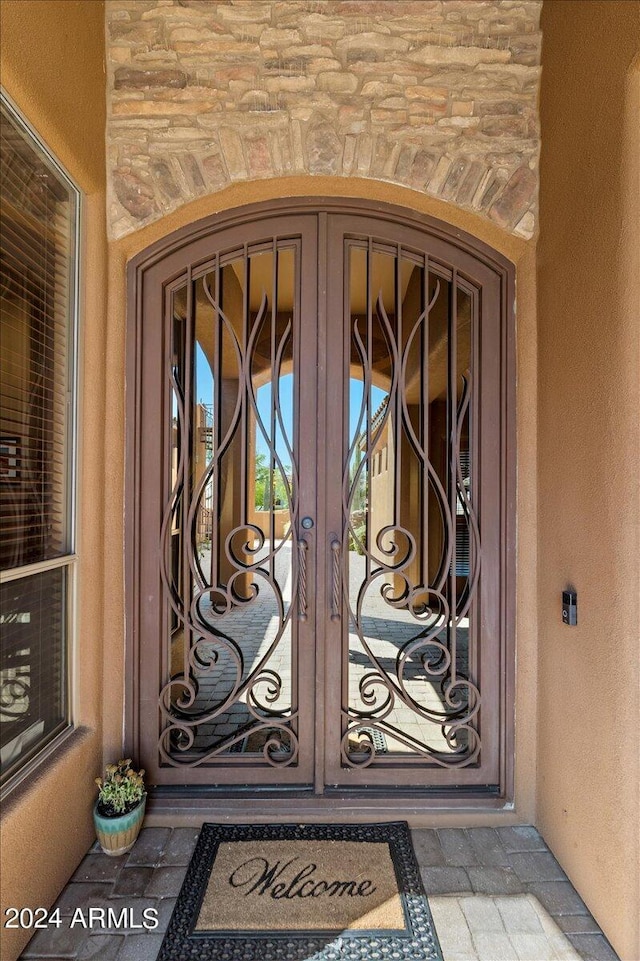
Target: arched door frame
(469, 251)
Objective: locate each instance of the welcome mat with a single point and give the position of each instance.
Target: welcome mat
(314, 892)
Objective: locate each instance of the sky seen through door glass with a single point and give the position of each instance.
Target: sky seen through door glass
(204, 393)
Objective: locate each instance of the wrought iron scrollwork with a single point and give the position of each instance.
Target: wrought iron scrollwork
(428, 659)
(215, 676)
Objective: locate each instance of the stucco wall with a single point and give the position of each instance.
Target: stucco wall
(588, 441)
(439, 97)
(50, 48)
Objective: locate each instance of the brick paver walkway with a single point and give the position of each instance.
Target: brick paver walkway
(497, 894)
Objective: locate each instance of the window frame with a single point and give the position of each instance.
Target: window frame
(34, 757)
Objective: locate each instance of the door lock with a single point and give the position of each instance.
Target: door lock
(307, 523)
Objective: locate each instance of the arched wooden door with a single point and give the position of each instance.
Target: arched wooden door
(320, 505)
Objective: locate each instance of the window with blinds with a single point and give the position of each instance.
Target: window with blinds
(38, 276)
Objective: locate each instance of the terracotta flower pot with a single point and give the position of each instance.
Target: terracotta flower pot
(118, 835)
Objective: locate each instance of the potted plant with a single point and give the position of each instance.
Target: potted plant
(119, 810)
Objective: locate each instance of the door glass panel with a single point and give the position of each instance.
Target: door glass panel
(410, 547)
(230, 566)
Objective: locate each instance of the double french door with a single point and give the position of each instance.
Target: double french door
(319, 510)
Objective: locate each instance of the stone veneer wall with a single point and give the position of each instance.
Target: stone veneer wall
(436, 95)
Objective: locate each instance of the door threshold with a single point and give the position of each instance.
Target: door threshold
(190, 807)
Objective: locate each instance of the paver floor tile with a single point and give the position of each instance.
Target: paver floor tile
(482, 914)
(83, 894)
(558, 897)
(501, 929)
(52, 942)
(452, 929)
(521, 837)
(518, 914)
(488, 847)
(165, 909)
(445, 880)
(99, 867)
(493, 946)
(132, 880)
(448, 915)
(166, 882)
(593, 947)
(456, 847)
(533, 947)
(536, 866)
(427, 847)
(563, 948)
(180, 846)
(149, 847)
(140, 947)
(494, 880)
(102, 947)
(578, 924)
(461, 954)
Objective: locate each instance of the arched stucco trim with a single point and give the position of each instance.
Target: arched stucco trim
(432, 226)
(310, 190)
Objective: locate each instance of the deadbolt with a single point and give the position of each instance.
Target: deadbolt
(307, 523)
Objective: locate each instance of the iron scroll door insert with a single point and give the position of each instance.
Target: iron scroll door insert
(417, 701)
(235, 663)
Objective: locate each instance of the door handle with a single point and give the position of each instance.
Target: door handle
(302, 579)
(336, 578)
